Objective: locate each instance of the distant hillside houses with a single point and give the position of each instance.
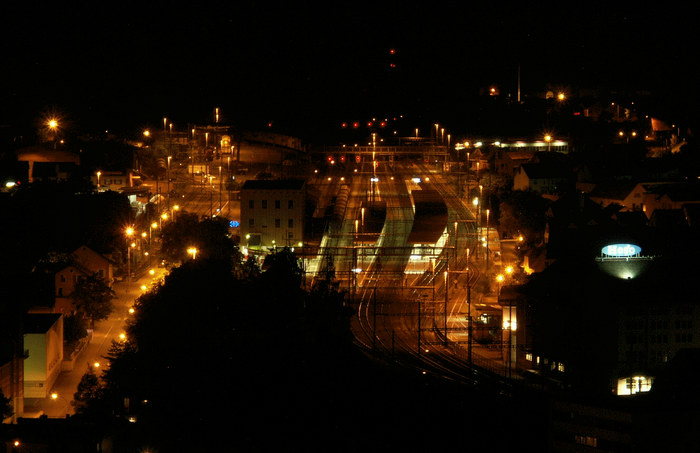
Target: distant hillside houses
(650, 197)
(543, 177)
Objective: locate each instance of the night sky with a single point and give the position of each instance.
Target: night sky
(121, 65)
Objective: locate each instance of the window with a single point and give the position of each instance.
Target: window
(277, 204)
(277, 223)
(264, 204)
(528, 357)
(588, 441)
(63, 278)
(290, 223)
(251, 222)
(251, 204)
(290, 204)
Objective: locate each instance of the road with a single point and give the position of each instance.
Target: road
(93, 355)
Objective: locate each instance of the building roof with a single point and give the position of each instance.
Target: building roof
(430, 217)
(40, 322)
(545, 170)
(273, 184)
(617, 190)
(520, 155)
(84, 249)
(43, 154)
(675, 191)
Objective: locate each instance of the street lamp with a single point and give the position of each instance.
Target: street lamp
(469, 314)
(487, 238)
(151, 227)
(55, 397)
(446, 298)
(169, 159)
(52, 124)
(99, 173)
(192, 251)
(129, 233)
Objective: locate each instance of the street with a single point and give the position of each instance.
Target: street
(94, 353)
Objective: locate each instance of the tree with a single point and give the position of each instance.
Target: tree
(523, 213)
(210, 237)
(89, 392)
(93, 297)
(5, 406)
(74, 328)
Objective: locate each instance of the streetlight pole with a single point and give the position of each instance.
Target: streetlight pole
(169, 158)
(468, 174)
(455, 244)
(487, 239)
(446, 298)
(129, 233)
(469, 314)
(419, 296)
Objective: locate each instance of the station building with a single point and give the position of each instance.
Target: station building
(272, 213)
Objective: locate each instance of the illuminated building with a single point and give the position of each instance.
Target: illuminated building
(272, 213)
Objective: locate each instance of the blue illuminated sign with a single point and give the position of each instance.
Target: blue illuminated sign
(234, 224)
(621, 250)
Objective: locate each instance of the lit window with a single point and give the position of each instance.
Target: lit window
(633, 385)
(528, 357)
(587, 441)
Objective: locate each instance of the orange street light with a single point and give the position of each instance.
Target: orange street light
(192, 251)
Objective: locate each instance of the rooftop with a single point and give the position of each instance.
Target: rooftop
(40, 322)
(273, 184)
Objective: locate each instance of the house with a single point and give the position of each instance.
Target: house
(542, 177)
(85, 262)
(11, 378)
(43, 341)
(670, 195)
(272, 212)
(11, 362)
(95, 263)
(65, 281)
(507, 162)
(628, 195)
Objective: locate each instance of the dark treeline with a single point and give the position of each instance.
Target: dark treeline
(241, 357)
